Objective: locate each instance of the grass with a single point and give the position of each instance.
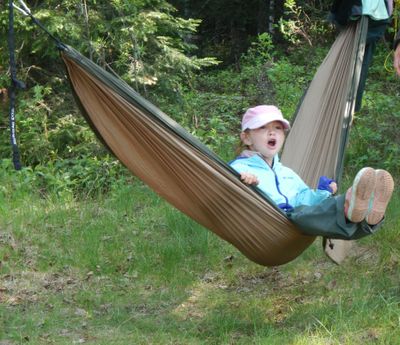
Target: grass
(127, 268)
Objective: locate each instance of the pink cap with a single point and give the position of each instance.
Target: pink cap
(261, 115)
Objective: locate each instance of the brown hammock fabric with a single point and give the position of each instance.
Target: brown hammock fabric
(182, 170)
(317, 140)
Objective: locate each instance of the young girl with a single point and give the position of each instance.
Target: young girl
(358, 213)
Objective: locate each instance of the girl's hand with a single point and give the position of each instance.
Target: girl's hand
(333, 186)
(249, 179)
(326, 183)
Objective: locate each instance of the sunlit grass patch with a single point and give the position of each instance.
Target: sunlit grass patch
(129, 268)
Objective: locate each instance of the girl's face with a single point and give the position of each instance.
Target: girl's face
(267, 140)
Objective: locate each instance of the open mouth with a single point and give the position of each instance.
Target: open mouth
(272, 142)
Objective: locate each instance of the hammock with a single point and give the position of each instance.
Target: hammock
(318, 138)
(196, 181)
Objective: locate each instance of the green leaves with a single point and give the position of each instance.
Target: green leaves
(143, 41)
(154, 49)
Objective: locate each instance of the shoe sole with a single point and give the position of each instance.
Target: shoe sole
(381, 197)
(362, 189)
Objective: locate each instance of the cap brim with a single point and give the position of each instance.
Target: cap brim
(257, 123)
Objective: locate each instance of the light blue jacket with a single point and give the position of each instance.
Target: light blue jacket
(280, 183)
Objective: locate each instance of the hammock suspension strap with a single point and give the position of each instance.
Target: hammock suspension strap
(24, 9)
(15, 84)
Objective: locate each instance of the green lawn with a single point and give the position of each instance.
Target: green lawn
(128, 269)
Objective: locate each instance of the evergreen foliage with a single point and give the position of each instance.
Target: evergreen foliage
(142, 41)
(152, 47)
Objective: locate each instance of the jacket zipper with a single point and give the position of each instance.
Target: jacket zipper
(288, 206)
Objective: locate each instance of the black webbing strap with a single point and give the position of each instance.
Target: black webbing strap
(24, 9)
(15, 84)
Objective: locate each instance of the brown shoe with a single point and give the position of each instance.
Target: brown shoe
(380, 197)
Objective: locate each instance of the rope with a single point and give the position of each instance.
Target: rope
(24, 9)
(15, 84)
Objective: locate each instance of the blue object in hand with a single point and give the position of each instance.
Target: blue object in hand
(324, 183)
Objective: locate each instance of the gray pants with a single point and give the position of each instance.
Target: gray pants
(327, 219)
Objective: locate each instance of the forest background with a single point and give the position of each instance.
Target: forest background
(88, 254)
(203, 72)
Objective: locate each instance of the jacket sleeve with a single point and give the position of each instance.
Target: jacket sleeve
(308, 197)
(239, 165)
(311, 197)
